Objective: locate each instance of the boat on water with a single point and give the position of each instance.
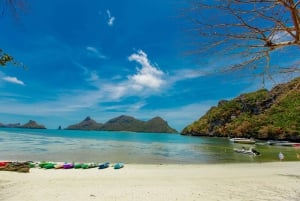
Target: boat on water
(243, 140)
(283, 143)
(249, 151)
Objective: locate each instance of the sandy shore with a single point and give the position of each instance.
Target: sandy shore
(260, 181)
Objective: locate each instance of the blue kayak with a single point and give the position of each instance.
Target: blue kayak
(103, 165)
(118, 165)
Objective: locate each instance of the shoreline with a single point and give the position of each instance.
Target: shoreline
(128, 148)
(185, 182)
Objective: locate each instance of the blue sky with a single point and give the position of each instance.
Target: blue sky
(108, 58)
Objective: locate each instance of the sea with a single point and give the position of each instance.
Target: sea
(128, 147)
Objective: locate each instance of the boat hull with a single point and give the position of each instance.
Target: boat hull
(242, 140)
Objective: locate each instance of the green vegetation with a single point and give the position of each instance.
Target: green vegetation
(5, 58)
(125, 123)
(86, 124)
(262, 114)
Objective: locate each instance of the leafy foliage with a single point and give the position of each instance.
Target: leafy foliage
(262, 114)
(5, 58)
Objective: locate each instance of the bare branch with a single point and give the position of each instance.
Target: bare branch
(253, 29)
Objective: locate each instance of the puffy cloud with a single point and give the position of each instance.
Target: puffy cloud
(111, 19)
(148, 76)
(13, 80)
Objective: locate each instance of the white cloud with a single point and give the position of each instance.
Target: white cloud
(148, 76)
(146, 81)
(93, 76)
(111, 19)
(13, 80)
(95, 52)
(185, 74)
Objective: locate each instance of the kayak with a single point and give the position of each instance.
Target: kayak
(3, 164)
(118, 165)
(103, 165)
(59, 165)
(77, 165)
(68, 166)
(49, 166)
(42, 164)
(32, 165)
(88, 165)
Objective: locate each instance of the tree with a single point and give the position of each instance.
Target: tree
(250, 32)
(14, 7)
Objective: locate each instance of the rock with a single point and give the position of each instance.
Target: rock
(32, 125)
(87, 124)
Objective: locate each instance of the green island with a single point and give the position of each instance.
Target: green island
(125, 123)
(263, 114)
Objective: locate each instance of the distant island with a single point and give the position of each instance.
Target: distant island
(125, 123)
(263, 114)
(121, 123)
(30, 124)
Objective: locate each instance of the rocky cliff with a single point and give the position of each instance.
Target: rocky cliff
(263, 114)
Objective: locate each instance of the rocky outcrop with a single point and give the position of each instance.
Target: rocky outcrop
(32, 125)
(14, 125)
(263, 114)
(87, 124)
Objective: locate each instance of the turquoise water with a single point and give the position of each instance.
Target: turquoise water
(128, 147)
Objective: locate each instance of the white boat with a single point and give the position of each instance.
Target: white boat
(243, 140)
(250, 151)
(283, 143)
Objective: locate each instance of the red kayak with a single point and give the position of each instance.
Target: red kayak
(3, 164)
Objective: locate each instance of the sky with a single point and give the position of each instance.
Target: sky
(104, 59)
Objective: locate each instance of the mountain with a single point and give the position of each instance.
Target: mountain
(32, 125)
(87, 124)
(15, 125)
(263, 114)
(158, 125)
(125, 123)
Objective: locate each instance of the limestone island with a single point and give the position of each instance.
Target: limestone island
(266, 115)
(31, 124)
(125, 123)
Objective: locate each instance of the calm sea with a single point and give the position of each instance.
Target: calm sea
(127, 147)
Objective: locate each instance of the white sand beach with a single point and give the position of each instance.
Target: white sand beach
(256, 181)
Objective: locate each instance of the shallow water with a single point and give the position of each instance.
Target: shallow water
(128, 147)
